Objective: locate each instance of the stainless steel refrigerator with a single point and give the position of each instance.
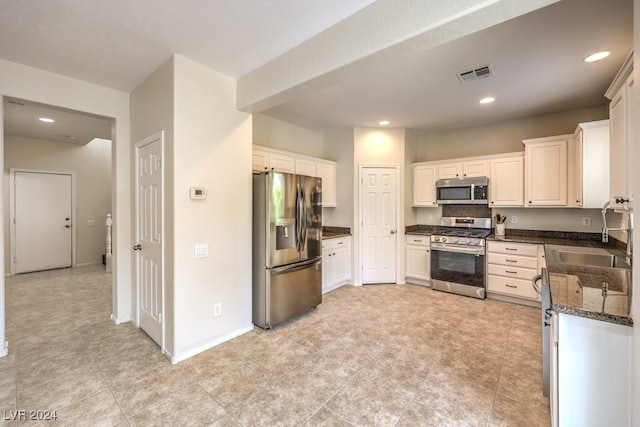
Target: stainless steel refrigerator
(287, 246)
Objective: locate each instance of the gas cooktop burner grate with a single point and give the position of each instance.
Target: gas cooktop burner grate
(474, 232)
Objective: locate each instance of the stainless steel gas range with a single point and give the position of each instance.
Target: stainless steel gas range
(458, 256)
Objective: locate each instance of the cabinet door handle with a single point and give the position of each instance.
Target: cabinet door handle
(511, 286)
(511, 272)
(510, 260)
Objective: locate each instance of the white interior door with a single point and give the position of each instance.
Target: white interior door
(379, 195)
(42, 220)
(149, 226)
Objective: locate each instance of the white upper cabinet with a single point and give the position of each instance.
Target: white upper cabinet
(327, 171)
(424, 185)
(265, 159)
(506, 185)
(465, 169)
(589, 166)
(305, 167)
(621, 149)
(546, 170)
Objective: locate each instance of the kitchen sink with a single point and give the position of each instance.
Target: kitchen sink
(590, 259)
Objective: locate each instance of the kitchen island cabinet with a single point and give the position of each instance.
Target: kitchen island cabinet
(590, 365)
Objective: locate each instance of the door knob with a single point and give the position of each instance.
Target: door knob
(393, 231)
(67, 226)
(137, 247)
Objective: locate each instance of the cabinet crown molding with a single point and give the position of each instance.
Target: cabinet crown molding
(621, 77)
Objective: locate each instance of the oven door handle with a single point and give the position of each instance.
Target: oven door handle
(458, 249)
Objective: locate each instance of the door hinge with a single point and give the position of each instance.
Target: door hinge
(14, 220)
(15, 259)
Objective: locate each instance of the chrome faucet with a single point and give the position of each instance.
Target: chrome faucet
(628, 230)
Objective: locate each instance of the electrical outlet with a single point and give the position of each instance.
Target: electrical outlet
(429, 217)
(91, 223)
(217, 309)
(586, 220)
(514, 219)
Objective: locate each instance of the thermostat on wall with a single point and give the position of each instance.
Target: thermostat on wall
(198, 193)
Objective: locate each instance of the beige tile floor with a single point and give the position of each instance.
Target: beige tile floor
(378, 355)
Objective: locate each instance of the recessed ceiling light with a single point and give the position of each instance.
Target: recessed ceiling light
(46, 120)
(487, 100)
(383, 122)
(596, 56)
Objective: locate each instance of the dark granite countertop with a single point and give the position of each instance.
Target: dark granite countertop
(329, 232)
(578, 289)
(575, 289)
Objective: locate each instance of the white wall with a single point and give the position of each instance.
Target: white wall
(152, 107)
(207, 144)
(92, 164)
(212, 149)
(275, 133)
(32, 84)
(338, 146)
(502, 137)
(378, 147)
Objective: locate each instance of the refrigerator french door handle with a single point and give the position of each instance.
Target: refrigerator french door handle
(303, 237)
(295, 267)
(299, 225)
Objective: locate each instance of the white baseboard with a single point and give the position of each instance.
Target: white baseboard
(119, 321)
(199, 349)
(514, 300)
(88, 263)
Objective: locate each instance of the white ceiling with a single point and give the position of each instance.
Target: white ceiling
(537, 58)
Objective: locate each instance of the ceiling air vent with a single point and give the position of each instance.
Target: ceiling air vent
(477, 73)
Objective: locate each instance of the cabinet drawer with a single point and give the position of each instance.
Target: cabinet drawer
(419, 240)
(513, 272)
(514, 287)
(512, 260)
(338, 242)
(513, 248)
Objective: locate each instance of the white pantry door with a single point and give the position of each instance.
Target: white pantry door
(149, 226)
(42, 220)
(379, 195)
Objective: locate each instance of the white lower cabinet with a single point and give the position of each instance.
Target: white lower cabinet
(510, 268)
(590, 365)
(336, 263)
(418, 258)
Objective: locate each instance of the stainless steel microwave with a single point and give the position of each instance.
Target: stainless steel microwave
(465, 191)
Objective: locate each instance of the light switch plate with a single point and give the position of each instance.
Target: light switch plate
(202, 250)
